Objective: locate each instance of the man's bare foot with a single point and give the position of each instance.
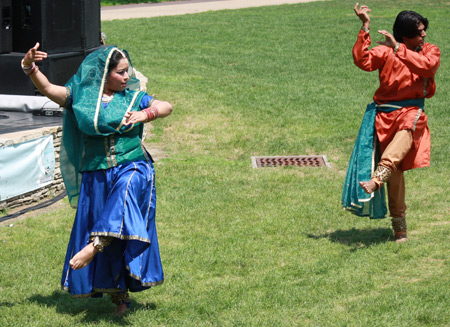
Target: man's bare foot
(369, 187)
(121, 309)
(84, 257)
(400, 236)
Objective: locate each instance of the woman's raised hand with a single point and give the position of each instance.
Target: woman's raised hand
(34, 55)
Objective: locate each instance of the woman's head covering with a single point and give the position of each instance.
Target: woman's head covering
(86, 88)
(87, 115)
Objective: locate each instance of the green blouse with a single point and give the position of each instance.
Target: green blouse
(94, 136)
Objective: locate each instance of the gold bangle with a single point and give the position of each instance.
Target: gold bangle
(396, 47)
(26, 67)
(29, 70)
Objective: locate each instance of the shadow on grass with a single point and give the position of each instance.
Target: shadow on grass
(357, 238)
(92, 310)
(7, 304)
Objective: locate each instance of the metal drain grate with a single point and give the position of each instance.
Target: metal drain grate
(299, 161)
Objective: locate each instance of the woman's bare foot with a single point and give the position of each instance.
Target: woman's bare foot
(369, 187)
(84, 257)
(121, 309)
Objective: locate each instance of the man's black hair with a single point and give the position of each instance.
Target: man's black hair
(407, 25)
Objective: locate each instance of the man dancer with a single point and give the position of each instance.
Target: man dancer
(406, 66)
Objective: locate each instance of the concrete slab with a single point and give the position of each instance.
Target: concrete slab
(184, 7)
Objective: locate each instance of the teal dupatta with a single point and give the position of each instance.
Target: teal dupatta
(85, 114)
(363, 162)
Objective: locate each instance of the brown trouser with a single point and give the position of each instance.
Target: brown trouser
(391, 158)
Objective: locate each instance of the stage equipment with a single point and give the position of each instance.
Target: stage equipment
(58, 67)
(58, 25)
(5, 26)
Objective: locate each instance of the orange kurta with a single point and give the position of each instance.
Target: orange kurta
(403, 76)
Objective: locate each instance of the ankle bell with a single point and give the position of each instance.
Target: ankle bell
(399, 227)
(382, 174)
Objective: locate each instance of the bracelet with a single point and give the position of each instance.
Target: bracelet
(149, 114)
(29, 70)
(152, 113)
(396, 47)
(364, 29)
(155, 111)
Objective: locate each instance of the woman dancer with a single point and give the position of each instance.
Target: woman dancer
(108, 174)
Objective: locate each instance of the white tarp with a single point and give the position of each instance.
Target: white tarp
(26, 166)
(26, 103)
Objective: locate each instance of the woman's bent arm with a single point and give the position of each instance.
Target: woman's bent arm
(54, 92)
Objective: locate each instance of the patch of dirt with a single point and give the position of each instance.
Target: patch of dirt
(29, 212)
(157, 152)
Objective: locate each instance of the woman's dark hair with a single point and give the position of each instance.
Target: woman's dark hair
(407, 25)
(114, 60)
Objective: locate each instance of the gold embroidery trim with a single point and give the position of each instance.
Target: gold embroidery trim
(112, 150)
(122, 237)
(419, 112)
(66, 100)
(382, 174)
(101, 242)
(107, 153)
(399, 224)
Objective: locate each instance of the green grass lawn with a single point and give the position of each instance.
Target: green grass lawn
(260, 247)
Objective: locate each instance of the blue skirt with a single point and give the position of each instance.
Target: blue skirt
(119, 202)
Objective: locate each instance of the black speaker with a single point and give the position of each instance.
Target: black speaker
(5, 26)
(58, 67)
(12, 78)
(58, 25)
(91, 24)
